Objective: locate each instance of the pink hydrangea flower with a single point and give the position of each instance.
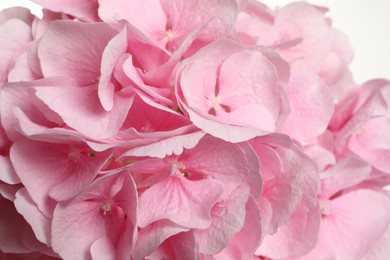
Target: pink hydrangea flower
(197, 129)
(233, 92)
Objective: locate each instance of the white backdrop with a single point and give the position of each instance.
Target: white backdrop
(366, 22)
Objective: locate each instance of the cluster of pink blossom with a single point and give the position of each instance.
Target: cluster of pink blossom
(188, 129)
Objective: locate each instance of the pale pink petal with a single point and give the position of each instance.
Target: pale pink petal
(339, 236)
(345, 174)
(233, 106)
(184, 245)
(251, 234)
(228, 217)
(307, 119)
(80, 108)
(295, 238)
(8, 191)
(168, 146)
(282, 173)
(186, 203)
(51, 170)
(40, 224)
(21, 95)
(185, 16)
(84, 9)
(374, 105)
(151, 236)
(107, 209)
(16, 35)
(7, 172)
(298, 235)
(307, 22)
(80, 53)
(223, 161)
(146, 15)
(116, 47)
(378, 158)
(381, 249)
(103, 249)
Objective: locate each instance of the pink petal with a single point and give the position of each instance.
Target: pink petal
(184, 246)
(16, 35)
(217, 105)
(307, 119)
(168, 146)
(298, 235)
(40, 224)
(249, 237)
(103, 249)
(73, 103)
(21, 96)
(374, 105)
(116, 47)
(223, 161)
(339, 237)
(228, 216)
(186, 203)
(81, 43)
(7, 172)
(147, 15)
(107, 209)
(84, 9)
(345, 174)
(50, 170)
(152, 236)
(185, 17)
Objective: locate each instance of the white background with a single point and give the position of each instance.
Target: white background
(366, 22)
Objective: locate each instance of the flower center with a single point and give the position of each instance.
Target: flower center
(177, 169)
(107, 206)
(170, 35)
(325, 207)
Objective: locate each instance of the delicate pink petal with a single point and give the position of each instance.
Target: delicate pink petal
(146, 15)
(84, 9)
(152, 236)
(282, 173)
(103, 249)
(379, 158)
(339, 236)
(107, 209)
(343, 175)
(7, 172)
(186, 16)
(51, 170)
(233, 106)
(298, 235)
(223, 161)
(381, 249)
(186, 203)
(111, 54)
(73, 103)
(374, 105)
(295, 238)
(184, 245)
(40, 224)
(249, 237)
(307, 119)
(168, 146)
(16, 35)
(80, 53)
(228, 216)
(21, 96)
